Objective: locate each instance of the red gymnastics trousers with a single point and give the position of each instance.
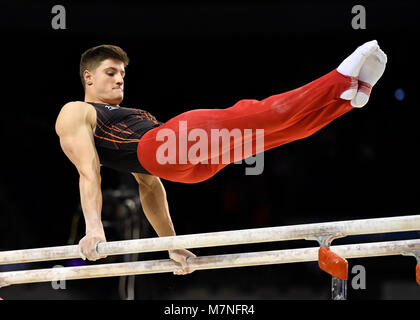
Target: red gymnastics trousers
(285, 117)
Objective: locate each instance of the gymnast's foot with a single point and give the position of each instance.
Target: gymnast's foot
(352, 65)
(371, 71)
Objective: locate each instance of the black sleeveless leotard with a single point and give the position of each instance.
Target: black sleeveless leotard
(117, 134)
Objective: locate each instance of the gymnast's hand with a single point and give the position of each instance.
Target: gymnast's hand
(88, 245)
(180, 256)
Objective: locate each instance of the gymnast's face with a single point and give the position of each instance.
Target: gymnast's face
(106, 82)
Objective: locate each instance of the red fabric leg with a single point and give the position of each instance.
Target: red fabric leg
(283, 117)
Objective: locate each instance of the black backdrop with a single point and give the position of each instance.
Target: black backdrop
(210, 55)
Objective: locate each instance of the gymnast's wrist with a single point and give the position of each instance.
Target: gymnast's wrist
(95, 228)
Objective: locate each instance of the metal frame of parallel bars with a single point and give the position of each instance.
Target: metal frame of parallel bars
(331, 259)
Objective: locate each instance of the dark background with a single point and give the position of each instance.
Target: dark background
(210, 55)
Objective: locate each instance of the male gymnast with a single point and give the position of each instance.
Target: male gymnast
(97, 131)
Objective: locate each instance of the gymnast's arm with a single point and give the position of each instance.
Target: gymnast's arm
(155, 206)
(76, 139)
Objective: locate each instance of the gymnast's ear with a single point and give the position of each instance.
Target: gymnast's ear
(87, 76)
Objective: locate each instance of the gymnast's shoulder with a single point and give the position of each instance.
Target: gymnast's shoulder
(75, 112)
(76, 106)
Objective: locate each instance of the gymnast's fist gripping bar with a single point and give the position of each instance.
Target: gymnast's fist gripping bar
(223, 238)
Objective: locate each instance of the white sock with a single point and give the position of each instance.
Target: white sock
(370, 73)
(353, 63)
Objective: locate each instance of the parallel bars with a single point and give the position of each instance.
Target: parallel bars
(305, 231)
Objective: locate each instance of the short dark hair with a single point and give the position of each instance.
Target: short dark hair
(93, 57)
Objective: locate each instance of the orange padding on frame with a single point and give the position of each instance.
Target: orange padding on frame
(418, 274)
(333, 263)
